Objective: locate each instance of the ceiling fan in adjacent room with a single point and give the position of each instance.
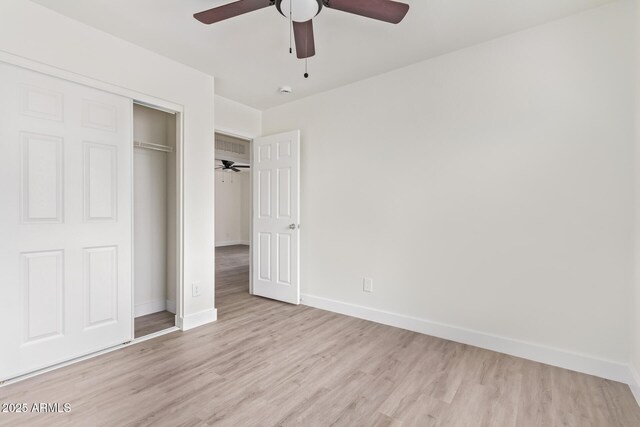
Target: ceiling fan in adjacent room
(229, 166)
(302, 12)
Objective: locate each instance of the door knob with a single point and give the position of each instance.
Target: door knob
(292, 226)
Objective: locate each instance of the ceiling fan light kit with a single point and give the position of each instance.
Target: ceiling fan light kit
(300, 13)
(300, 10)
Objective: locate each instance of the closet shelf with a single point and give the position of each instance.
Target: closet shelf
(151, 146)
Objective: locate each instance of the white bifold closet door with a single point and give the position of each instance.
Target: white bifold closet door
(65, 220)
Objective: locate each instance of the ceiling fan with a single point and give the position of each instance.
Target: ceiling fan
(228, 166)
(301, 13)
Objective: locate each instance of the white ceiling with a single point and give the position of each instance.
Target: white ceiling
(249, 55)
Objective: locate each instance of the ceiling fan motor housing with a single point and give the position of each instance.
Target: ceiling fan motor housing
(301, 10)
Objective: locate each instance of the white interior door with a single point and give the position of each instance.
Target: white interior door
(275, 239)
(65, 220)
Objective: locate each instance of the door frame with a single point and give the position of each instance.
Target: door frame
(144, 99)
(249, 139)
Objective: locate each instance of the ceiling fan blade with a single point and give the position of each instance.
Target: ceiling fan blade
(242, 166)
(230, 10)
(303, 33)
(235, 169)
(382, 10)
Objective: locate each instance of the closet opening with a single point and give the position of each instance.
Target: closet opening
(155, 220)
(232, 220)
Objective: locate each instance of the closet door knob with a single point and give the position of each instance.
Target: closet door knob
(292, 226)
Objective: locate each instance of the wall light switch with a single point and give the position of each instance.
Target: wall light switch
(367, 285)
(195, 290)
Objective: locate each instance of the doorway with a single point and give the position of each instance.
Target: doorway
(154, 220)
(232, 218)
(267, 263)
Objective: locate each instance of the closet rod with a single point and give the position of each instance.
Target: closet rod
(150, 146)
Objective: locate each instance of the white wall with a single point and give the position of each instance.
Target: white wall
(489, 189)
(635, 338)
(232, 208)
(245, 208)
(34, 32)
(237, 119)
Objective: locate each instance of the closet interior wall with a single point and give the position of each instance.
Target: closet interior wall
(154, 211)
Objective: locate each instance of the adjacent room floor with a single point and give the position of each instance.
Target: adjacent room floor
(268, 363)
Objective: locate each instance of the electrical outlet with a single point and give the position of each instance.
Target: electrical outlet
(195, 289)
(367, 285)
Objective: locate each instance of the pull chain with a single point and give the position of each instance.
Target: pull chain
(306, 49)
(290, 27)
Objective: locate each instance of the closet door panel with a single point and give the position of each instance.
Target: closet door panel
(65, 220)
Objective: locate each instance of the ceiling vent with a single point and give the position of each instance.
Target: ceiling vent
(231, 148)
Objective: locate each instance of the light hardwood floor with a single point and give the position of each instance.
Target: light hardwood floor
(155, 322)
(265, 363)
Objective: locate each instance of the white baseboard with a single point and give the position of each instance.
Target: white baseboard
(150, 307)
(635, 384)
(232, 243)
(171, 306)
(551, 356)
(200, 318)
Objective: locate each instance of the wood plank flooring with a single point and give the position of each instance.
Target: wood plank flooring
(270, 364)
(155, 322)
